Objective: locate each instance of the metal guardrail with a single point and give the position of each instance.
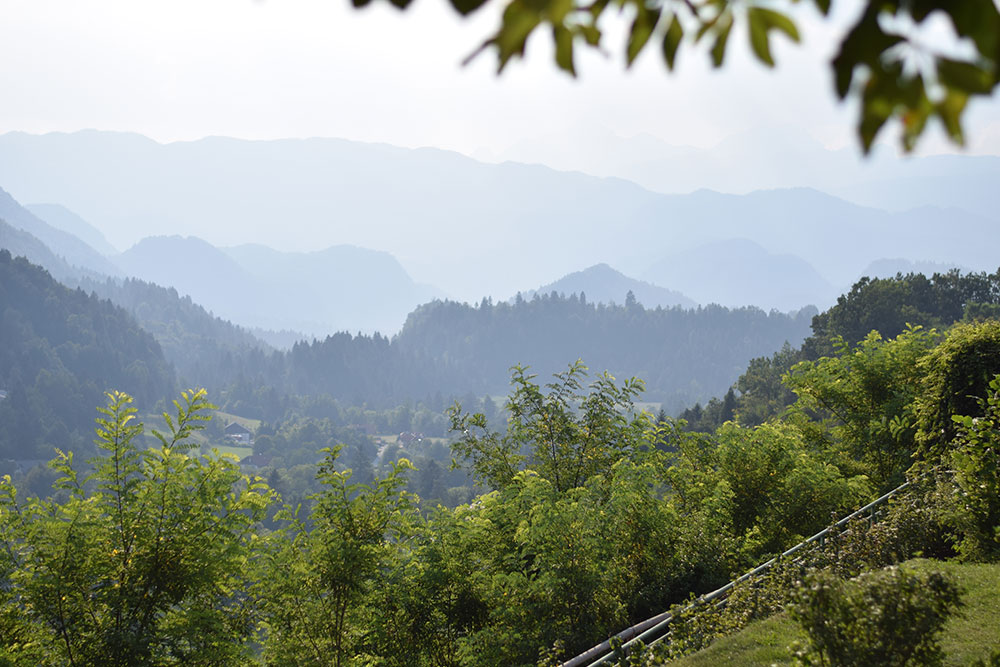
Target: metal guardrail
(656, 626)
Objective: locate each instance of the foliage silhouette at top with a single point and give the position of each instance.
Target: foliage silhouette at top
(881, 61)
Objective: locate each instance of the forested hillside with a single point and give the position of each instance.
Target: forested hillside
(450, 349)
(205, 350)
(62, 349)
(886, 305)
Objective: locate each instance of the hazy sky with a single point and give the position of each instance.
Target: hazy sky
(184, 69)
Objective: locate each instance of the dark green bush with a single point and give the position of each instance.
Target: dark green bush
(890, 617)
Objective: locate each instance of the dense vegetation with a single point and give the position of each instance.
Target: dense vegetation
(592, 516)
(451, 349)
(887, 305)
(62, 349)
(204, 349)
(587, 513)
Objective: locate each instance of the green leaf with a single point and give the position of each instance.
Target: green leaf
(864, 45)
(564, 48)
(642, 27)
(823, 6)
(591, 33)
(949, 110)
(761, 22)
(671, 41)
(463, 7)
(724, 26)
(965, 77)
(979, 20)
(517, 24)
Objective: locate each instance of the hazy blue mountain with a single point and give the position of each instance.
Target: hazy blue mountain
(452, 221)
(62, 218)
(63, 244)
(836, 237)
(22, 244)
(603, 284)
(339, 288)
(967, 182)
(739, 272)
(194, 268)
(776, 157)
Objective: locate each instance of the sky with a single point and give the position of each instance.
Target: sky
(261, 69)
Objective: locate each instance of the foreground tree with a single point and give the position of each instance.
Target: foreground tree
(321, 575)
(864, 396)
(142, 562)
(566, 435)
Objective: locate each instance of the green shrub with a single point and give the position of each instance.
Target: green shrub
(890, 617)
(975, 457)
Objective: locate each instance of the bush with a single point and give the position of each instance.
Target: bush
(889, 617)
(975, 457)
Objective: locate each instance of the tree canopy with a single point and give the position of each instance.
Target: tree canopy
(882, 60)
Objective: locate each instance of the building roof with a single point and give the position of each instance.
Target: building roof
(237, 429)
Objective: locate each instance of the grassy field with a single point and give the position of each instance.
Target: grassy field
(227, 418)
(202, 441)
(970, 635)
(393, 439)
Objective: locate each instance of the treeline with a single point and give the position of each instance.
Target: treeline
(448, 349)
(885, 305)
(205, 350)
(61, 350)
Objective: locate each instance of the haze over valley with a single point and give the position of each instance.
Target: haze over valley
(381, 229)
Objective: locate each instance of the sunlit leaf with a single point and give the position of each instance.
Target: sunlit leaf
(672, 40)
(642, 27)
(725, 25)
(564, 48)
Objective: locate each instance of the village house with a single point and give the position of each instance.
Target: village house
(239, 434)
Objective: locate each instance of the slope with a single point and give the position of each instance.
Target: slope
(967, 636)
(74, 251)
(62, 218)
(62, 349)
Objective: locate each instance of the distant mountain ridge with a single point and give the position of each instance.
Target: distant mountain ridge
(603, 284)
(746, 274)
(62, 349)
(461, 224)
(62, 218)
(341, 288)
(64, 244)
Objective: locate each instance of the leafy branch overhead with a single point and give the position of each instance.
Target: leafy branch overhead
(881, 62)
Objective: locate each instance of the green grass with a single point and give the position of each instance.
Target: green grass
(967, 636)
(252, 424)
(239, 452)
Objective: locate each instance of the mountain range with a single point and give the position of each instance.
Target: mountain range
(341, 288)
(473, 229)
(774, 158)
